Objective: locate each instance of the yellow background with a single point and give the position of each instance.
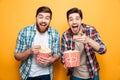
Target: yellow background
(102, 14)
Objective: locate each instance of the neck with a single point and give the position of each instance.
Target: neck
(80, 31)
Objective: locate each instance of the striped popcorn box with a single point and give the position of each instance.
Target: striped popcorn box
(72, 58)
(43, 52)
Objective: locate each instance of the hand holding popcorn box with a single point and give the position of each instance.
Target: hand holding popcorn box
(43, 52)
(72, 58)
(77, 36)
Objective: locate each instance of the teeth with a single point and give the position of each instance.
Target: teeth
(43, 24)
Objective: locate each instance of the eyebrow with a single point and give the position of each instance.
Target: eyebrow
(42, 15)
(75, 17)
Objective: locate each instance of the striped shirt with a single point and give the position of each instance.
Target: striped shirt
(25, 40)
(91, 61)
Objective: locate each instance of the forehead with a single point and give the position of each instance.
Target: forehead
(74, 15)
(43, 14)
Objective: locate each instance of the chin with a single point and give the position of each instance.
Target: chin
(42, 31)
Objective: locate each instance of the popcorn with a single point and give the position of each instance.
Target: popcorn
(43, 52)
(72, 58)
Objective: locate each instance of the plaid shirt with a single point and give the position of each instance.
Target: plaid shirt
(24, 42)
(69, 44)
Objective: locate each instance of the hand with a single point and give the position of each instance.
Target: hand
(67, 67)
(35, 49)
(82, 38)
(44, 62)
(63, 61)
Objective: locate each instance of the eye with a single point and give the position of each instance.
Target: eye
(78, 18)
(47, 18)
(40, 17)
(70, 19)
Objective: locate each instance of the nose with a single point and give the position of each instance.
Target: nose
(74, 20)
(43, 20)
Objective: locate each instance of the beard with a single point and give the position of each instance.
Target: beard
(41, 30)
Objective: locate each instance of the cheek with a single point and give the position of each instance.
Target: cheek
(38, 20)
(48, 22)
(70, 23)
(79, 22)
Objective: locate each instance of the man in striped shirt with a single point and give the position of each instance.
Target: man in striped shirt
(29, 42)
(86, 40)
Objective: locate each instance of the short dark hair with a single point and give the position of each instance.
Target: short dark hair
(74, 10)
(44, 9)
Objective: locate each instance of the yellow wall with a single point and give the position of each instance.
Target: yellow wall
(103, 14)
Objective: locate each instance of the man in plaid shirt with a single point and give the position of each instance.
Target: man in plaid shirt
(85, 39)
(29, 42)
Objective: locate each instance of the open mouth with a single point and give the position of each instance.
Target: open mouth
(74, 26)
(43, 24)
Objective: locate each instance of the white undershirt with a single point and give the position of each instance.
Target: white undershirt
(37, 70)
(82, 70)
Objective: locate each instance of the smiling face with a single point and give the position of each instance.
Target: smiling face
(43, 21)
(75, 21)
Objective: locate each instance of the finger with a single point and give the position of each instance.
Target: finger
(81, 34)
(65, 66)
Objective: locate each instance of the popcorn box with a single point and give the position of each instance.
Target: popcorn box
(43, 52)
(72, 58)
